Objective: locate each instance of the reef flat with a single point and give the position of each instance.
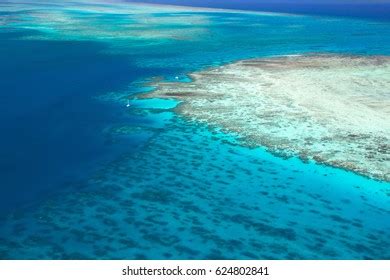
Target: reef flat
(333, 109)
(115, 178)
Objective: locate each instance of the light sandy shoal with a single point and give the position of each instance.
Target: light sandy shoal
(333, 109)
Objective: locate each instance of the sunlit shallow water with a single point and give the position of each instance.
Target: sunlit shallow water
(84, 176)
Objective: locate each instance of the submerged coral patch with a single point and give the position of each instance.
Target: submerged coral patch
(333, 109)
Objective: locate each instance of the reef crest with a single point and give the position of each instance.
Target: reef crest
(333, 109)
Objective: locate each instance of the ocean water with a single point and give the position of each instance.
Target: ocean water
(82, 176)
(378, 10)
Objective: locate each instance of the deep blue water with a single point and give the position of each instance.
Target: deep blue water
(51, 127)
(83, 176)
(364, 9)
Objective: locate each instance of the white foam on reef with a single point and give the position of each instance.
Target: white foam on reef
(329, 108)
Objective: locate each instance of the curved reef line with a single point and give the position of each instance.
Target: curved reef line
(334, 109)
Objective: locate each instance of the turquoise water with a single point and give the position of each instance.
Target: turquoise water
(84, 176)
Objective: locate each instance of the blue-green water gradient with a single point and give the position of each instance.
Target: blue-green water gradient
(84, 176)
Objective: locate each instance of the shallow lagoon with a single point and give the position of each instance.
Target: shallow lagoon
(153, 184)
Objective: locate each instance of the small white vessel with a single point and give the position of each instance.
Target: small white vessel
(128, 103)
(176, 77)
